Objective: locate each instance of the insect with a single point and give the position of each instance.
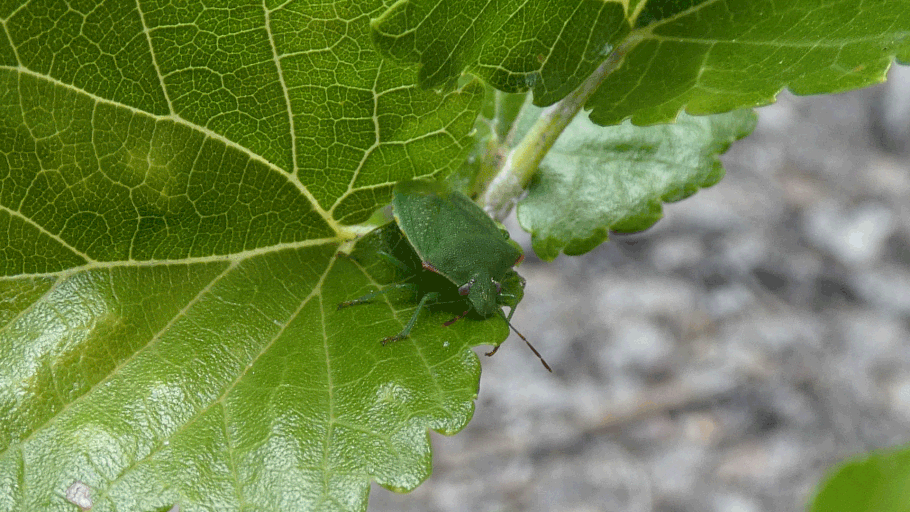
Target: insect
(460, 252)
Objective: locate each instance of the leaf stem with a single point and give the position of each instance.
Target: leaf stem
(520, 164)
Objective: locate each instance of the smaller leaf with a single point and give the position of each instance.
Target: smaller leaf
(595, 180)
(878, 482)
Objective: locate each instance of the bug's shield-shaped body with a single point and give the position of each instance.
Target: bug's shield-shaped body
(455, 238)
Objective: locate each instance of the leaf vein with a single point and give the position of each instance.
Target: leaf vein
(148, 37)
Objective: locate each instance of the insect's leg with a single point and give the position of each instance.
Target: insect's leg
(457, 318)
(370, 296)
(395, 261)
(407, 329)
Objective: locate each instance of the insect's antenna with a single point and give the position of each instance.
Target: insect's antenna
(536, 353)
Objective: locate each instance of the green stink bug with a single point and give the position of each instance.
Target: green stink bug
(454, 239)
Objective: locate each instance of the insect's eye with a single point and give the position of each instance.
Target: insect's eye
(498, 287)
(465, 288)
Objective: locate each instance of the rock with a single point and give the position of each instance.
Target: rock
(852, 236)
(637, 345)
(892, 111)
(676, 469)
(680, 252)
(885, 286)
(735, 503)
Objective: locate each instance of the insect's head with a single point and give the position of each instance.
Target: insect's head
(482, 292)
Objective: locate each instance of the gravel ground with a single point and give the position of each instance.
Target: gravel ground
(723, 359)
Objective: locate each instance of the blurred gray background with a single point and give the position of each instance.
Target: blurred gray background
(723, 359)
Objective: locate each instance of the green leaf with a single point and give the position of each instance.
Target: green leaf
(714, 56)
(701, 56)
(876, 482)
(175, 182)
(549, 46)
(595, 180)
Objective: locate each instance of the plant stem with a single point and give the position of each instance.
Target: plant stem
(520, 164)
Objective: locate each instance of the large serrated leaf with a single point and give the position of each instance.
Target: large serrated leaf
(549, 46)
(701, 56)
(595, 180)
(175, 181)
